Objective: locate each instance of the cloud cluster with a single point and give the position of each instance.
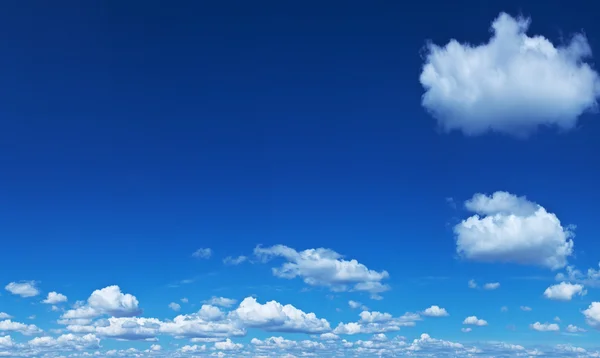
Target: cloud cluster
(324, 267)
(512, 84)
(508, 228)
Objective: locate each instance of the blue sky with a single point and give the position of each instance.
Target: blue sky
(275, 179)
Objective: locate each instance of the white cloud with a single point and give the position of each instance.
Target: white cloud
(564, 291)
(590, 278)
(511, 84)
(377, 322)
(466, 329)
(545, 327)
(221, 301)
(4, 315)
(512, 229)
(355, 305)
(472, 284)
(107, 301)
(574, 329)
(273, 316)
(175, 306)
(504, 309)
(473, 320)
(229, 260)
(203, 253)
(228, 345)
(67, 341)
(592, 314)
(491, 286)
(435, 311)
(525, 308)
(23, 288)
(324, 267)
(55, 298)
(26, 329)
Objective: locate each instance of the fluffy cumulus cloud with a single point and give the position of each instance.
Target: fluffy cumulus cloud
(25, 329)
(54, 298)
(435, 311)
(592, 315)
(324, 267)
(512, 84)
(273, 316)
(509, 228)
(545, 327)
(23, 288)
(473, 320)
(107, 301)
(564, 291)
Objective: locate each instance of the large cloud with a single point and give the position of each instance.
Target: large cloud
(507, 228)
(511, 84)
(325, 267)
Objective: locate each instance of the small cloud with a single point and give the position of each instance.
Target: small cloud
(4, 315)
(229, 260)
(504, 309)
(23, 288)
(221, 301)
(491, 286)
(525, 308)
(175, 306)
(203, 253)
(473, 320)
(472, 284)
(556, 319)
(435, 311)
(54, 298)
(544, 327)
(574, 329)
(184, 300)
(466, 329)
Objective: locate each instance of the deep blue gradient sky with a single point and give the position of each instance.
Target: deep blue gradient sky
(134, 133)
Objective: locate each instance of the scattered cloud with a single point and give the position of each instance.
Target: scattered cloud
(512, 84)
(472, 284)
(574, 329)
(592, 315)
(545, 327)
(229, 260)
(491, 286)
(508, 228)
(23, 288)
(377, 322)
(221, 301)
(202, 253)
(324, 267)
(55, 298)
(356, 305)
(175, 306)
(435, 311)
(525, 308)
(564, 291)
(473, 320)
